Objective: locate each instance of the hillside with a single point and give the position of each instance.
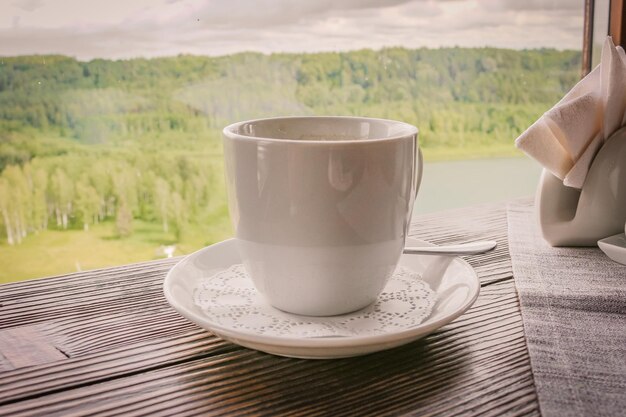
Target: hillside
(129, 150)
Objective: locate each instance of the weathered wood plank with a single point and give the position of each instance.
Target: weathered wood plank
(485, 222)
(471, 343)
(380, 383)
(88, 367)
(85, 278)
(131, 354)
(27, 346)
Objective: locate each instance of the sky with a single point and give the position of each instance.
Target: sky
(115, 29)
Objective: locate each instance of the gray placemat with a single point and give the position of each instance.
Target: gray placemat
(573, 303)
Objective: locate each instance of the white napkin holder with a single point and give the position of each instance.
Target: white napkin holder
(571, 217)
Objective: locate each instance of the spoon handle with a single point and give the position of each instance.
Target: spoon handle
(472, 248)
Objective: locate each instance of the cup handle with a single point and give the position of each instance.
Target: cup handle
(420, 169)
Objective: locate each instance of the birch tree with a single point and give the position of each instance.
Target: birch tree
(87, 204)
(19, 201)
(5, 209)
(63, 193)
(162, 203)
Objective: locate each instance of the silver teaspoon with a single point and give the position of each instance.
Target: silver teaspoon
(472, 248)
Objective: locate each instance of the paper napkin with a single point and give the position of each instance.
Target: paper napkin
(567, 137)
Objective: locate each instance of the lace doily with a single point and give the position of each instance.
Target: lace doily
(229, 299)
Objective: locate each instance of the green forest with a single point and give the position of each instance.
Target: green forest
(115, 161)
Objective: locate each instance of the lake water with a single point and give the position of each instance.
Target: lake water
(454, 184)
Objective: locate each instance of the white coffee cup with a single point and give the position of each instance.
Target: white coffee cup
(321, 207)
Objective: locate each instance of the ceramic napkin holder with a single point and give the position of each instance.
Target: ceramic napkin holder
(572, 217)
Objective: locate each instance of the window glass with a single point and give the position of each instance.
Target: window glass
(110, 112)
(600, 29)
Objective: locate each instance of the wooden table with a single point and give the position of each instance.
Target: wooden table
(106, 342)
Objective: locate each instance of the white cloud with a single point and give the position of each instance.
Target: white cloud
(28, 5)
(129, 28)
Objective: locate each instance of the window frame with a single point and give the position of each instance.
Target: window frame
(617, 29)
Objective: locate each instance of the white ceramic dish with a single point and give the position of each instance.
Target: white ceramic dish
(571, 217)
(614, 247)
(453, 280)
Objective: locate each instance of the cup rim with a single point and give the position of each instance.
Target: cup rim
(230, 131)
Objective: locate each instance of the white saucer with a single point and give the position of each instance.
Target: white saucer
(614, 247)
(198, 280)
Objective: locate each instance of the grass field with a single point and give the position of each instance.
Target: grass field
(55, 252)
